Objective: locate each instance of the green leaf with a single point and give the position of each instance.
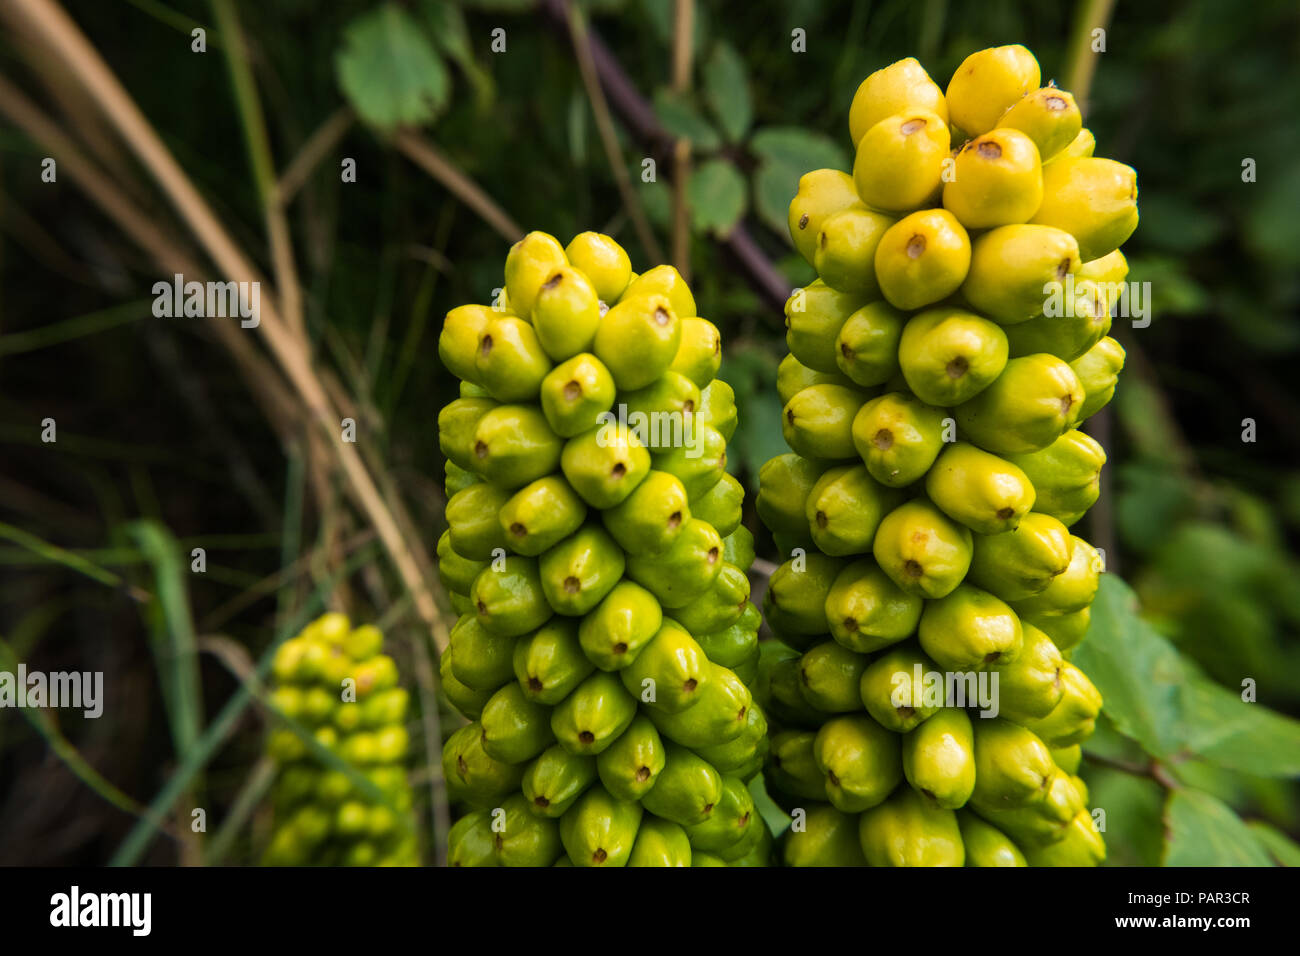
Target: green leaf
(390, 71)
(681, 118)
(726, 89)
(1152, 695)
(1283, 850)
(1138, 672)
(447, 26)
(1238, 735)
(716, 192)
(796, 148)
(1203, 831)
(785, 154)
(777, 820)
(1133, 807)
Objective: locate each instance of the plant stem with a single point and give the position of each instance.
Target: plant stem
(582, 48)
(683, 46)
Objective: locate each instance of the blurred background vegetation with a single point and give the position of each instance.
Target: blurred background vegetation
(176, 434)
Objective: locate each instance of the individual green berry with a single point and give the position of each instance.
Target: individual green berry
(784, 483)
(550, 662)
(722, 505)
(575, 394)
(700, 354)
(555, 780)
(540, 515)
(649, 519)
(939, 758)
(1048, 116)
(698, 459)
(900, 160)
(480, 660)
(898, 436)
(667, 281)
(987, 83)
(1031, 404)
(456, 573)
(603, 261)
(622, 624)
(670, 673)
(813, 318)
(682, 573)
(890, 691)
(844, 509)
(1098, 370)
(457, 423)
(867, 345)
(922, 550)
(860, 761)
(846, 250)
(1012, 269)
(579, 571)
(1066, 475)
(513, 446)
(1081, 147)
(1109, 269)
(510, 361)
(639, 338)
(510, 601)
(902, 86)
(1023, 561)
(566, 313)
(631, 765)
(1094, 200)
(529, 263)
(985, 844)
(984, 492)
(949, 356)
(922, 258)
(822, 193)
(997, 180)
(866, 611)
(818, 421)
(458, 343)
(594, 715)
(718, 408)
(908, 830)
(472, 526)
(605, 465)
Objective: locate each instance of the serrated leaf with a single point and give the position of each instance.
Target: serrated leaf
(726, 90)
(681, 118)
(389, 70)
(1140, 675)
(716, 193)
(1283, 850)
(1203, 831)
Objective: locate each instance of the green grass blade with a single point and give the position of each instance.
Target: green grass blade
(172, 639)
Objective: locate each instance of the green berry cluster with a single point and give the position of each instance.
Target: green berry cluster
(334, 680)
(939, 369)
(595, 555)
